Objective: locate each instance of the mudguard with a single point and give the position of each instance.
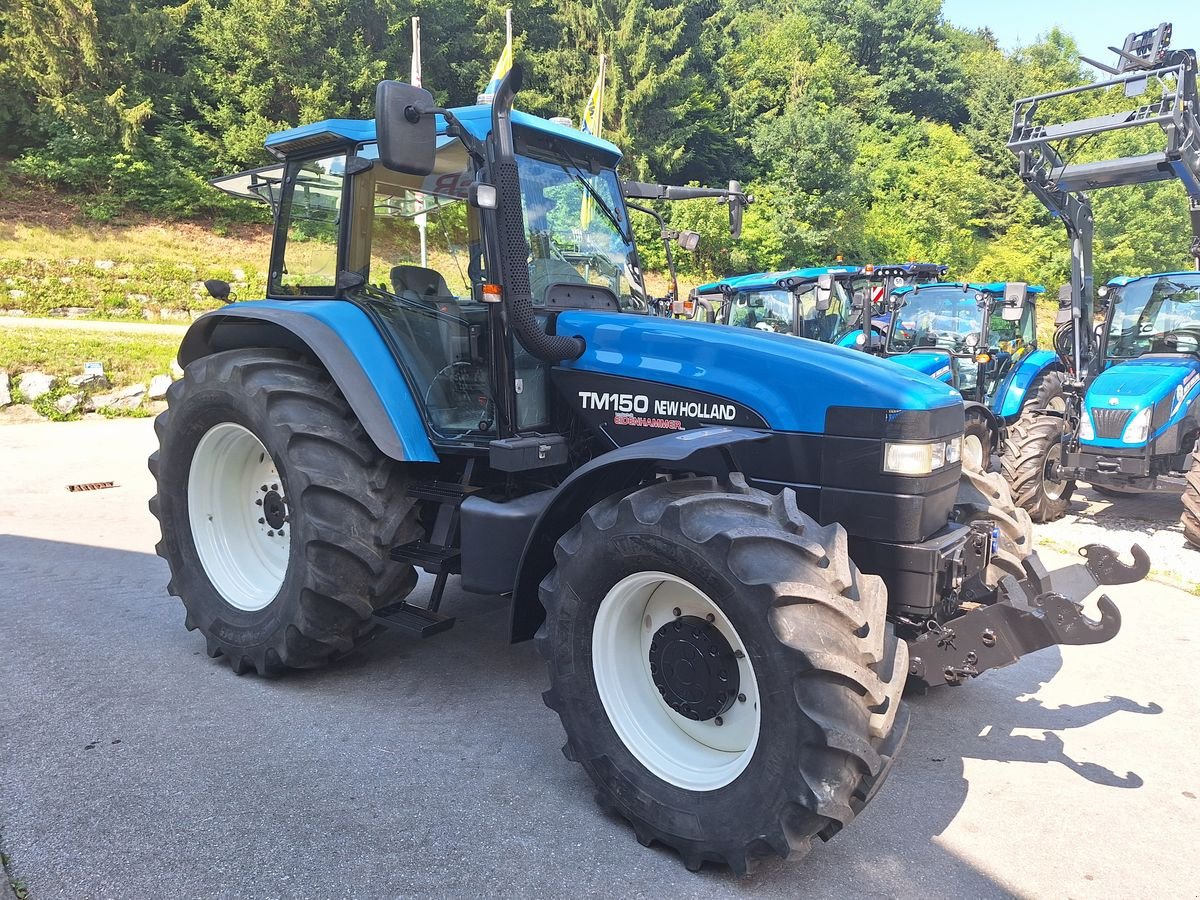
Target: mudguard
(349, 346)
(1011, 393)
(590, 483)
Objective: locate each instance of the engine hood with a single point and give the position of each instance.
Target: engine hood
(1138, 383)
(792, 383)
(932, 363)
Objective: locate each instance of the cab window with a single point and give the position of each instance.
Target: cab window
(310, 209)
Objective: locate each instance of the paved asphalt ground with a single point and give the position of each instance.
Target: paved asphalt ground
(131, 765)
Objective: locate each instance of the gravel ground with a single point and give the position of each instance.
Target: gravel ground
(1151, 520)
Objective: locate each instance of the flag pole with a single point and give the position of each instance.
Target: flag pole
(421, 220)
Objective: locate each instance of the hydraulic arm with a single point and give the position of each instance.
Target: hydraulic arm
(1046, 150)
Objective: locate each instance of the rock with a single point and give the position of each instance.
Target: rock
(5, 390)
(15, 312)
(72, 312)
(33, 384)
(16, 294)
(104, 264)
(126, 398)
(158, 387)
(176, 369)
(239, 275)
(68, 403)
(91, 381)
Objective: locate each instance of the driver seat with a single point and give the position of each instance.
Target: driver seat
(420, 285)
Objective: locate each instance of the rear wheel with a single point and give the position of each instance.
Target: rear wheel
(723, 672)
(1032, 448)
(277, 512)
(1048, 391)
(1191, 503)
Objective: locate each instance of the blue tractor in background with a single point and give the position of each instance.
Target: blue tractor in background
(1132, 418)
(982, 340)
(734, 548)
(882, 279)
(816, 302)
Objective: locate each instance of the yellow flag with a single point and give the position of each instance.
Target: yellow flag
(592, 123)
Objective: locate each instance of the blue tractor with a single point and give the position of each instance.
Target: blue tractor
(818, 302)
(982, 340)
(875, 307)
(731, 576)
(1132, 418)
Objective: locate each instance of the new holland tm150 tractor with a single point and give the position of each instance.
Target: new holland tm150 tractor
(1132, 417)
(730, 576)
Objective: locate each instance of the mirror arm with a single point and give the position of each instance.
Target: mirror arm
(667, 237)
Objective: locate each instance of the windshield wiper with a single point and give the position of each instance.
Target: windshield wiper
(577, 171)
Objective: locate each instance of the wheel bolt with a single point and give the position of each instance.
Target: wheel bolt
(258, 502)
(718, 721)
(741, 698)
(262, 521)
(677, 612)
(270, 534)
(711, 618)
(738, 654)
(263, 488)
(274, 487)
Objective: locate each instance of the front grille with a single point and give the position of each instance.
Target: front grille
(1110, 423)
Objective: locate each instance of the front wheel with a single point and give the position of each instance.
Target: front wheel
(723, 672)
(1031, 452)
(277, 512)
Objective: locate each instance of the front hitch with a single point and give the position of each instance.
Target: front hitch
(1028, 615)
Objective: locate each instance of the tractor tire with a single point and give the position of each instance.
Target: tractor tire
(985, 495)
(277, 512)
(1191, 503)
(1029, 446)
(722, 670)
(977, 443)
(1048, 391)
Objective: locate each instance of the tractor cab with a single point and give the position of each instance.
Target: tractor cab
(817, 303)
(969, 335)
(875, 309)
(411, 250)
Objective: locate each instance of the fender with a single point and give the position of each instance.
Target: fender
(974, 407)
(348, 345)
(1012, 390)
(603, 476)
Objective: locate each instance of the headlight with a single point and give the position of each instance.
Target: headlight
(920, 459)
(1138, 429)
(1086, 431)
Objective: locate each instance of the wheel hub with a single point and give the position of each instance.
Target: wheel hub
(694, 668)
(274, 509)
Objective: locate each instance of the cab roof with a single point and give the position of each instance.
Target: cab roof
(762, 281)
(1122, 280)
(331, 135)
(992, 287)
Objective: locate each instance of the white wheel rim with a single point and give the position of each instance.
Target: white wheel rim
(1054, 489)
(972, 452)
(1057, 404)
(233, 485)
(693, 755)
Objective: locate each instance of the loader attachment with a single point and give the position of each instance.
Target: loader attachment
(1043, 609)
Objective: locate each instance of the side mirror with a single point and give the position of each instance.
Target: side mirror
(1102, 292)
(406, 128)
(824, 291)
(219, 290)
(735, 209)
(688, 240)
